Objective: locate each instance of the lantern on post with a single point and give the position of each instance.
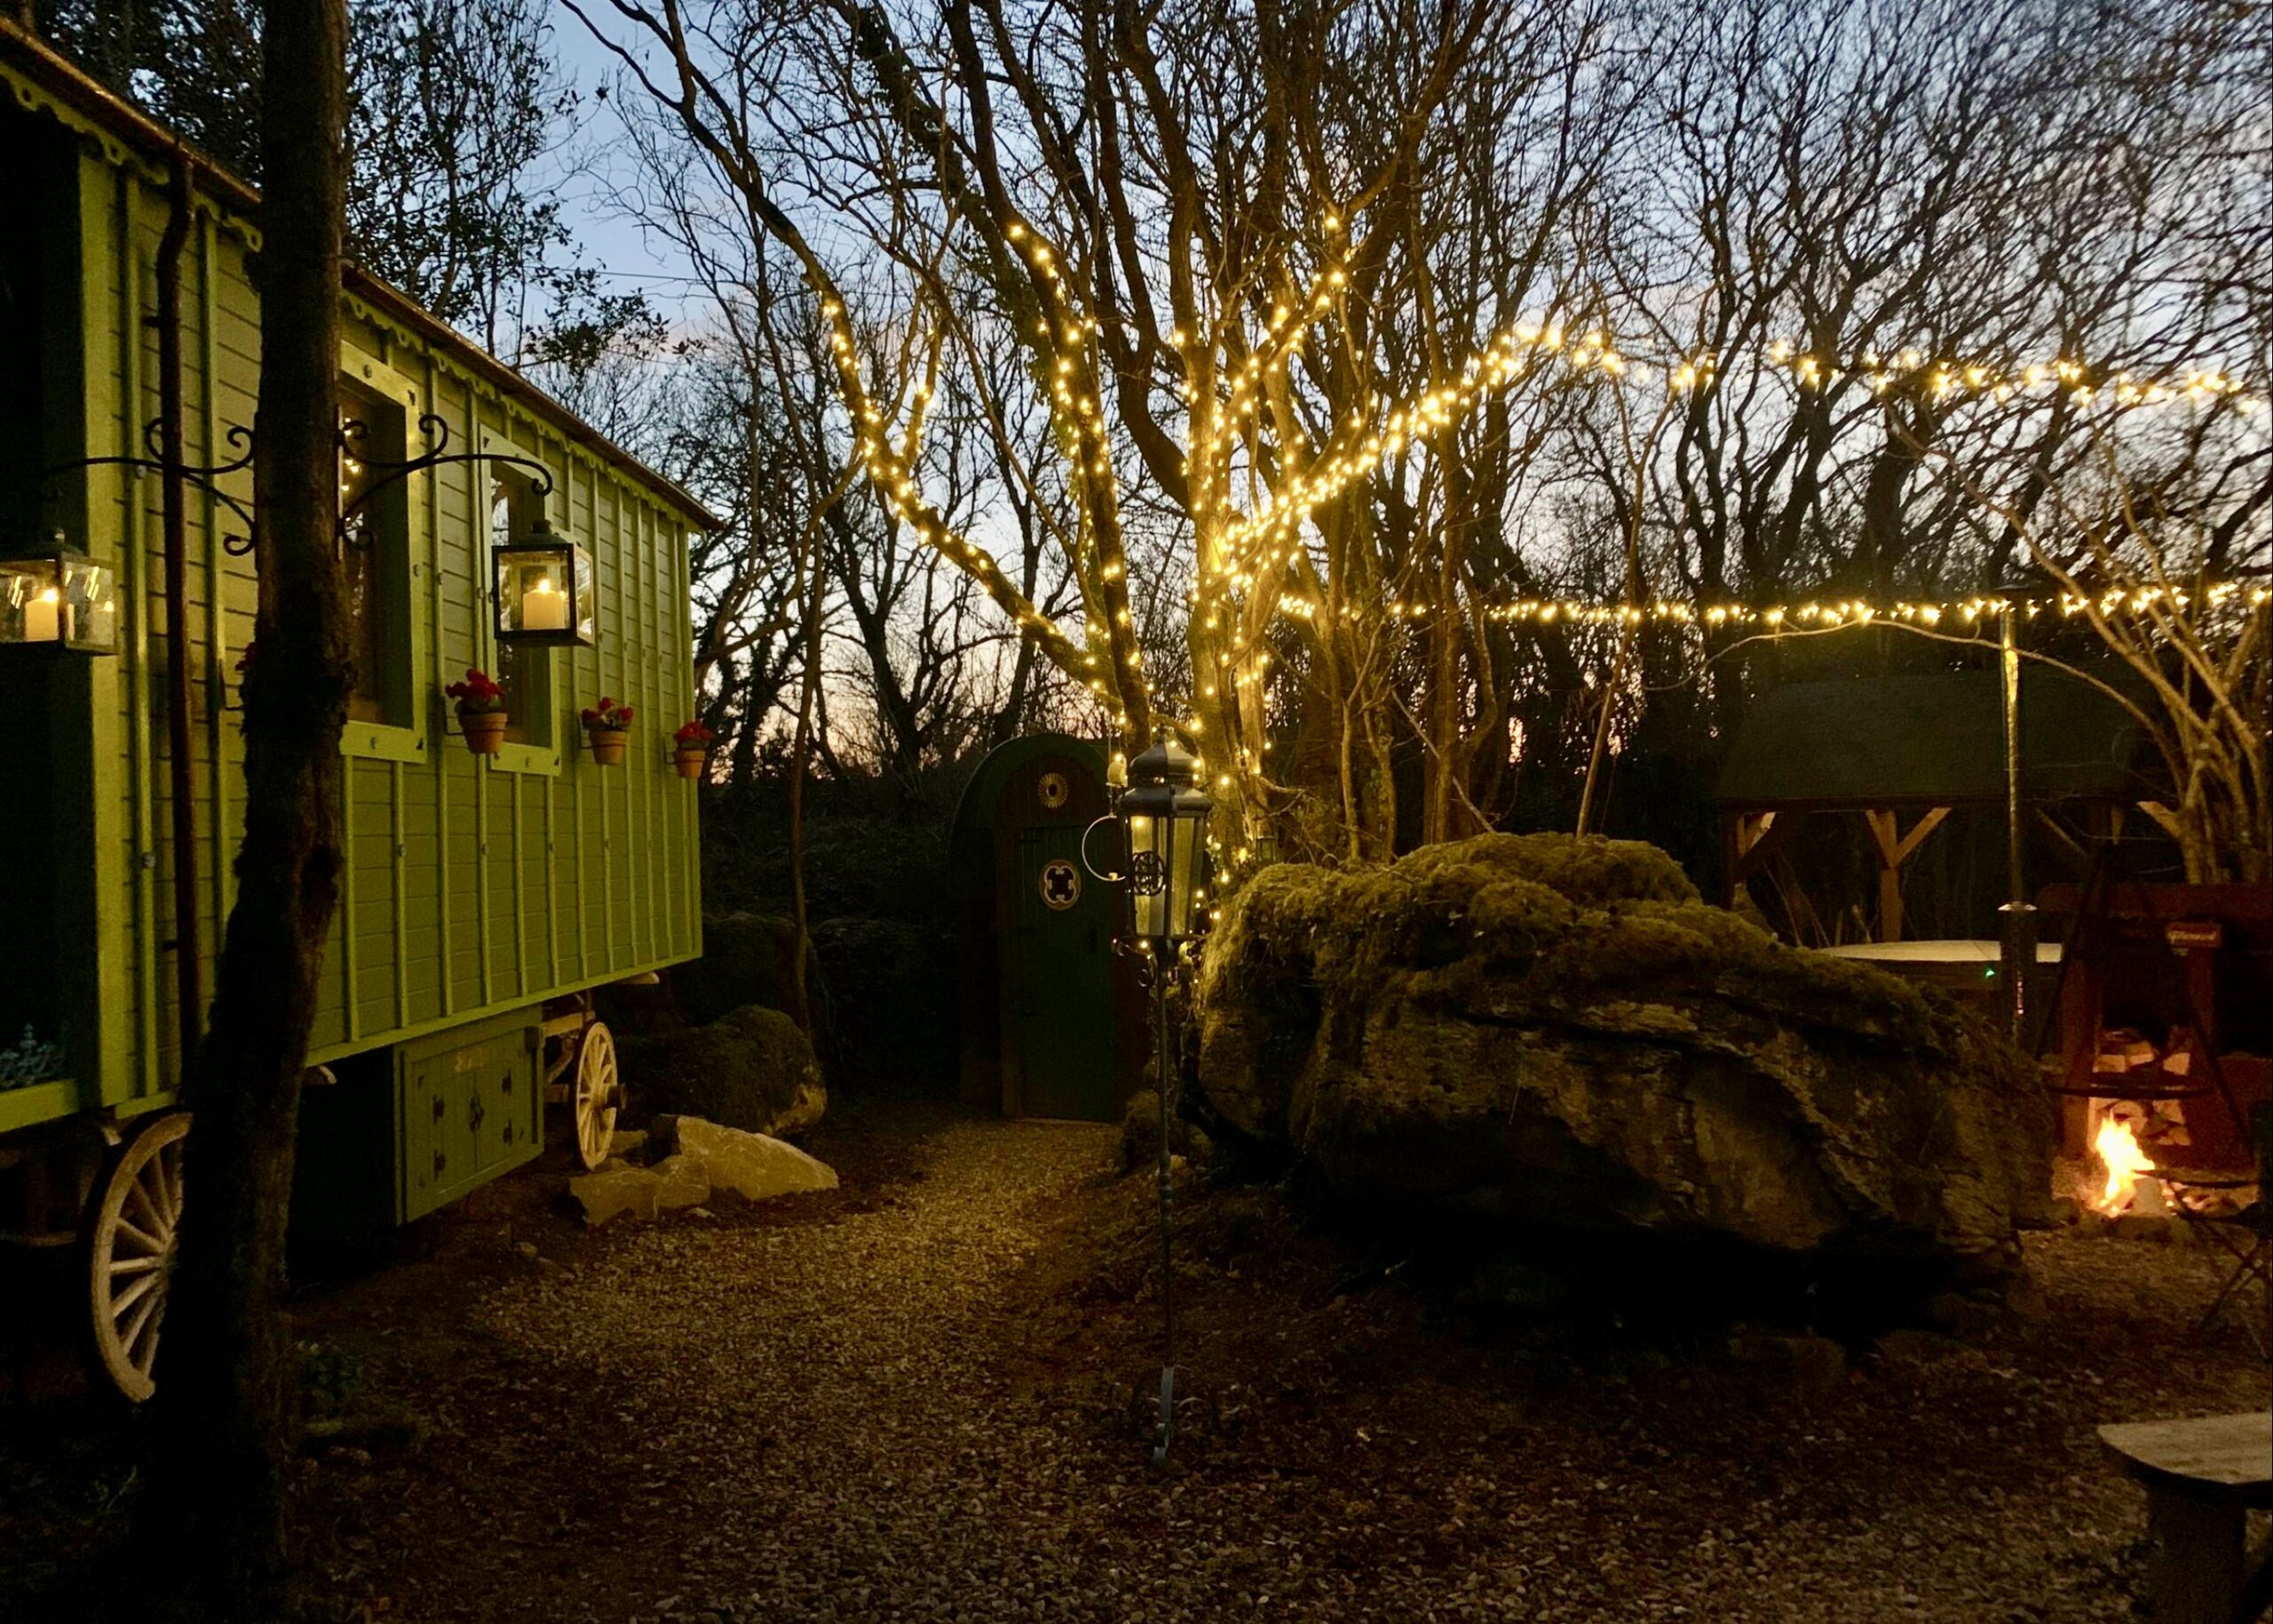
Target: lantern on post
(59, 598)
(1163, 820)
(1165, 812)
(545, 588)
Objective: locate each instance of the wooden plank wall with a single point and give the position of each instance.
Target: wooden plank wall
(471, 887)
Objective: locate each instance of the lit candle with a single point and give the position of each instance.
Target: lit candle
(544, 607)
(44, 618)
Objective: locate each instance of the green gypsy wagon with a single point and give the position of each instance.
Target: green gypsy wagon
(497, 874)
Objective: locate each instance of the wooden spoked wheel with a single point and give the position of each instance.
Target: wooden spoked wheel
(598, 1094)
(131, 1254)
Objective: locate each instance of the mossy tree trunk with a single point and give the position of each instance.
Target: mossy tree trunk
(215, 1504)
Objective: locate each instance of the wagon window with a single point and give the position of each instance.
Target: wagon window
(374, 555)
(523, 671)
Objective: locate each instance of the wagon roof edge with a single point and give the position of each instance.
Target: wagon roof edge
(75, 89)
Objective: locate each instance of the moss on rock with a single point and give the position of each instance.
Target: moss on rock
(751, 1069)
(1140, 1136)
(1558, 1028)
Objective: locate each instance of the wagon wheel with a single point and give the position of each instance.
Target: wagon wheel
(131, 1246)
(598, 1094)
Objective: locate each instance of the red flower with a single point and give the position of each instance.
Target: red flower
(478, 693)
(694, 733)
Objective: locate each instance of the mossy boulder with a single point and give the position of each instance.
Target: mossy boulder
(751, 1069)
(747, 958)
(1140, 1136)
(1554, 1030)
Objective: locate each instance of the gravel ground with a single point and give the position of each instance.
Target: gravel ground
(925, 1398)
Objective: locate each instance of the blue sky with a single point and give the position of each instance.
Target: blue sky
(624, 254)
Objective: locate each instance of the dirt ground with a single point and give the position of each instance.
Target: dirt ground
(927, 1396)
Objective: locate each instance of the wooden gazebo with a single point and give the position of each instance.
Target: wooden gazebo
(1906, 751)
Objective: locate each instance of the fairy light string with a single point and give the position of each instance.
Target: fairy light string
(1820, 614)
(1267, 538)
(1243, 553)
(894, 479)
(1972, 612)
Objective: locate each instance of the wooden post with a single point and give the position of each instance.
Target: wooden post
(2198, 1561)
(1883, 827)
(2018, 953)
(1895, 849)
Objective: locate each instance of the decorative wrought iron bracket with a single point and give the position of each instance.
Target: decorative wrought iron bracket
(354, 438)
(205, 476)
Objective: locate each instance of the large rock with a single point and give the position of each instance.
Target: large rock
(680, 1181)
(753, 1166)
(752, 1069)
(1140, 1135)
(614, 1190)
(617, 1188)
(1556, 1030)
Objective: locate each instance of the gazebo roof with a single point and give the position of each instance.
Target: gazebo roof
(1935, 739)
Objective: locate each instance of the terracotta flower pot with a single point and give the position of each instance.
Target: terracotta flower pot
(608, 745)
(692, 759)
(484, 730)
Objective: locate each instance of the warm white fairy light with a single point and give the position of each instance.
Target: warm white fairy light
(1262, 550)
(1256, 543)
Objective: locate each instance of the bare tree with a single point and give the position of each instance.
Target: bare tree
(1336, 332)
(226, 1406)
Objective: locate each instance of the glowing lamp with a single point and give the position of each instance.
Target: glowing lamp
(1165, 812)
(545, 592)
(59, 598)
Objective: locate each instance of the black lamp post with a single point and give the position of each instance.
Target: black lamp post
(1164, 813)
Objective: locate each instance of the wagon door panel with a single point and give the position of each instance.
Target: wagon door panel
(468, 1110)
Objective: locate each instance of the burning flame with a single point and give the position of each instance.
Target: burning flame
(2120, 1153)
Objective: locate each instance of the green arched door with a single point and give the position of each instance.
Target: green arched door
(1061, 985)
(1039, 982)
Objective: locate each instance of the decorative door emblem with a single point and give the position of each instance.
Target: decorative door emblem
(1061, 885)
(1053, 791)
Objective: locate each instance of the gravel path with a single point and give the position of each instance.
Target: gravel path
(926, 1397)
(839, 1391)
(925, 1401)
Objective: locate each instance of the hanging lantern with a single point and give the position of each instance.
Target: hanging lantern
(1165, 813)
(59, 598)
(544, 589)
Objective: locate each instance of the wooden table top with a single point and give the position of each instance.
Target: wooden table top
(2219, 1456)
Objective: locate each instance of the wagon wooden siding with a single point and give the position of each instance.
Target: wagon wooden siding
(469, 887)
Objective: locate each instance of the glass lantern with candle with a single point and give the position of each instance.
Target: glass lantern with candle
(544, 589)
(59, 598)
(1165, 813)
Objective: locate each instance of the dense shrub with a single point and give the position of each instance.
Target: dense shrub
(891, 1015)
(855, 868)
(746, 959)
(751, 1069)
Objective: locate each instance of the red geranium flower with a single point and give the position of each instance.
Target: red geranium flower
(478, 693)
